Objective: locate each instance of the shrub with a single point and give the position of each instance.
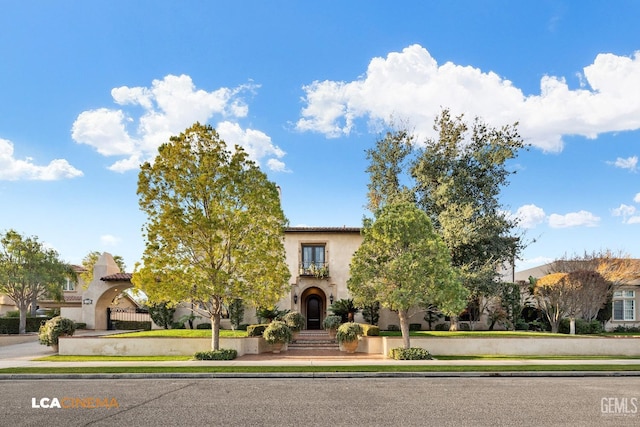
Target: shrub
(370, 330)
(348, 332)
(294, 320)
(177, 325)
(622, 328)
(582, 327)
(256, 330)
(132, 325)
(12, 313)
(205, 325)
(522, 325)
(332, 322)
(81, 325)
(393, 328)
(236, 313)
(222, 354)
(277, 332)
(442, 327)
(413, 353)
(10, 325)
(52, 329)
(415, 326)
(464, 327)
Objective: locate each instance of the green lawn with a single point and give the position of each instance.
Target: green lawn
(180, 333)
(476, 334)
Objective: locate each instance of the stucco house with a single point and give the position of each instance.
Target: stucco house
(625, 299)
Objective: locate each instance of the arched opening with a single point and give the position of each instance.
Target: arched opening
(314, 306)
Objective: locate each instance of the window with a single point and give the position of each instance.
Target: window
(624, 305)
(69, 286)
(314, 261)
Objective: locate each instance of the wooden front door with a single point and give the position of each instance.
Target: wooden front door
(314, 308)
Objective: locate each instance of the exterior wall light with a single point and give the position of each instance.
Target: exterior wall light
(87, 301)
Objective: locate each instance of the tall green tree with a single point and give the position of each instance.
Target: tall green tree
(405, 264)
(215, 227)
(459, 176)
(29, 270)
(388, 163)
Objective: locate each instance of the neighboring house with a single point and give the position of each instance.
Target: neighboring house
(625, 298)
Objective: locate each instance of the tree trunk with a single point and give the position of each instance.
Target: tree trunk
(215, 332)
(22, 325)
(572, 326)
(34, 306)
(453, 325)
(404, 327)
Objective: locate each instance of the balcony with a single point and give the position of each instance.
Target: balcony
(319, 270)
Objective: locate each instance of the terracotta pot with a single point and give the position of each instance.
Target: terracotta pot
(277, 347)
(349, 346)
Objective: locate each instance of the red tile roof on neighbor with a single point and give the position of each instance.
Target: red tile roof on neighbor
(118, 277)
(343, 229)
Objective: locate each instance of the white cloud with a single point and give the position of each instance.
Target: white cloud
(529, 216)
(12, 169)
(169, 106)
(257, 144)
(630, 163)
(628, 214)
(624, 210)
(109, 240)
(636, 198)
(573, 219)
(411, 85)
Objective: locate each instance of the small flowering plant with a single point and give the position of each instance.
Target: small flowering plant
(54, 328)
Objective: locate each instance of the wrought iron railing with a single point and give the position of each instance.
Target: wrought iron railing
(319, 270)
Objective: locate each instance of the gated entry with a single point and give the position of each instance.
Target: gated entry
(127, 314)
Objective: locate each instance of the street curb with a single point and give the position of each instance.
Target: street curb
(320, 375)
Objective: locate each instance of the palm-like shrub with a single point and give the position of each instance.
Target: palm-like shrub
(277, 332)
(332, 322)
(348, 332)
(54, 328)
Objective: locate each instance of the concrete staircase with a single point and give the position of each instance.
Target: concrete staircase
(314, 340)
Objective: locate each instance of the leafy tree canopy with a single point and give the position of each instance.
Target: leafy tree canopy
(404, 263)
(215, 227)
(29, 270)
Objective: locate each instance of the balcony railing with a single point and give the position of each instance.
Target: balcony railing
(319, 270)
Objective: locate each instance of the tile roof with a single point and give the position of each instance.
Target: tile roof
(343, 229)
(117, 277)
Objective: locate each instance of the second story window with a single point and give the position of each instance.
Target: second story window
(69, 286)
(314, 261)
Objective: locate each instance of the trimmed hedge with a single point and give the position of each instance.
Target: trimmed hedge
(415, 326)
(369, 330)
(131, 325)
(413, 353)
(582, 327)
(206, 325)
(81, 325)
(393, 328)
(256, 330)
(11, 325)
(222, 354)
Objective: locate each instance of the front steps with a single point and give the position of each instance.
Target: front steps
(314, 340)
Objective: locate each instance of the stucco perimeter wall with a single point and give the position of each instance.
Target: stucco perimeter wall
(103, 346)
(521, 346)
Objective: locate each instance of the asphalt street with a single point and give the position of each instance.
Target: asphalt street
(600, 401)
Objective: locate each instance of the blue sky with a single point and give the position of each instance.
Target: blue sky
(90, 89)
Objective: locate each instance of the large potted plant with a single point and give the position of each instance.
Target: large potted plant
(295, 321)
(347, 336)
(277, 334)
(331, 324)
(53, 329)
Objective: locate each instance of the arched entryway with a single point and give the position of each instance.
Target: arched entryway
(314, 303)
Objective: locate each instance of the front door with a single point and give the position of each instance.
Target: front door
(314, 308)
